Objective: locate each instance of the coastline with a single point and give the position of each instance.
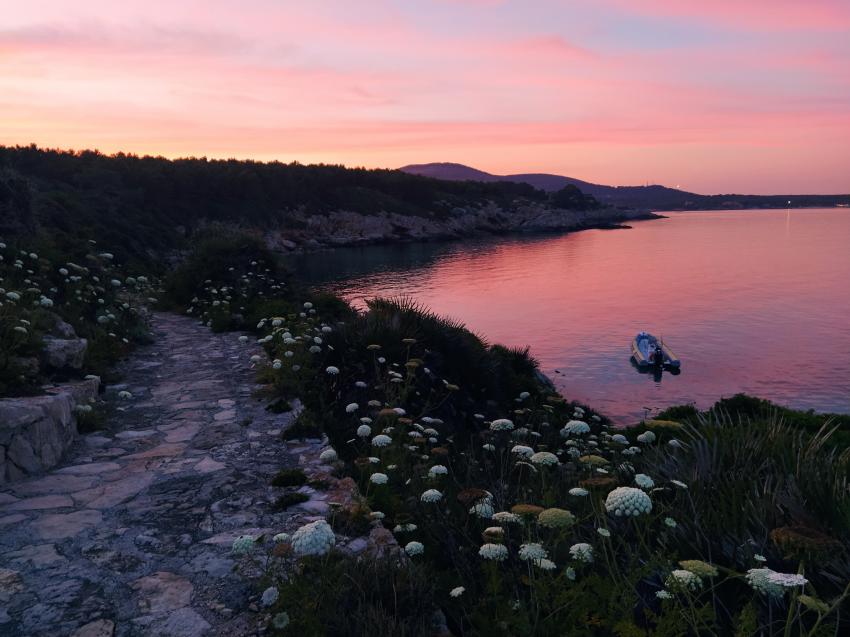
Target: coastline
(308, 233)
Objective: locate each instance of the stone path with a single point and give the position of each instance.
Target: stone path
(131, 535)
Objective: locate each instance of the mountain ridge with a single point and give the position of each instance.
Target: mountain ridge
(652, 197)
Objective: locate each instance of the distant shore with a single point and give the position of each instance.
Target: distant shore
(347, 229)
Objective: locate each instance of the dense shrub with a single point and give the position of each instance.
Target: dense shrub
(42, 297)
(752, 408)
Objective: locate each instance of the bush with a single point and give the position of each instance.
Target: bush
(289, 478)
(100, 301)
(342, 596)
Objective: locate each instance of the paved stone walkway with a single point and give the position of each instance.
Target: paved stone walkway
(131, 535)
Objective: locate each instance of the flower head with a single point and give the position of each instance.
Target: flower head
(243, 544)
(682, 580)
(575, 428)
(494, 552)
(644, 481)
(270, 596)
(431, 495)
(582, 552)
(328, 455)
(414, 548)
(628, 501)
(532, 551)
(544, 458)
(379, 478)
(506, 517)
(281, 621)
(760, 581)
(315, 538)
(437, 470)
(381, 440)
(556, 518)
(501, 424)
(699, 568)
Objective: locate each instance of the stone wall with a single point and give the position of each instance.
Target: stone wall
(35, 431)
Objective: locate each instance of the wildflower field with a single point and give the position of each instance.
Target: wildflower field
(513, 510)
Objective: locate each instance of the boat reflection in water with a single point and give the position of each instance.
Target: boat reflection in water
(655, 371)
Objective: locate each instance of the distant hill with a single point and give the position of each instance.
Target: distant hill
(647, 197)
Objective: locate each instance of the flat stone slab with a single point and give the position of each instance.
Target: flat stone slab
(166, 449)
(90, 468)
(53, 484)
(162, 592)
(114, 493)
(58, 526)
(99, 628)
(182, 433)
(35, 555)
(136, 434)
(40, 502)
(208, 465)
(6, 520)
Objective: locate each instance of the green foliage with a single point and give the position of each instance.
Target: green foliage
(304, 427)
(341, 596)
(571, 198)
(748, 477)
(747, 407)
(287, 500)
(289, 478)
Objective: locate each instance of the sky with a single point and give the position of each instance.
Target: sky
(712, 96)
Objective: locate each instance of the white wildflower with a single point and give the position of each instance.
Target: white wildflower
(582, 552)
(315, 538)
(269, 596)
(414, 548)
(532, 551)
(495, 552)
(431, 495)
(644, 481)
(628, 501)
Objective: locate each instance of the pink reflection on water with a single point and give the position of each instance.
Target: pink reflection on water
(753, 301)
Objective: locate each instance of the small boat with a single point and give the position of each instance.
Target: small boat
(649, 352)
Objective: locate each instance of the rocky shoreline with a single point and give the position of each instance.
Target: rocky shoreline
(303, 232)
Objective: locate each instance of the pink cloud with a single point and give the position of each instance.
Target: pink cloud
(831, 15)
(368, 84)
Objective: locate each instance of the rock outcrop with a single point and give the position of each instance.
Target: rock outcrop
(35, 431)
(345, 228)
(62, 348)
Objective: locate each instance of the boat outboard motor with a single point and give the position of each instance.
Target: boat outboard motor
(658, 356)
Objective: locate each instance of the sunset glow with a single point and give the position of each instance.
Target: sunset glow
(718, 96)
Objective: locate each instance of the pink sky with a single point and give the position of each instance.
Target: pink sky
(711, 96)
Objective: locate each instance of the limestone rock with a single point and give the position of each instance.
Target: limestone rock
(99, 628)
(35, 431)
(163, 592)
(60, 353)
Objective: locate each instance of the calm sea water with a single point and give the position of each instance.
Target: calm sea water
(751, 301)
